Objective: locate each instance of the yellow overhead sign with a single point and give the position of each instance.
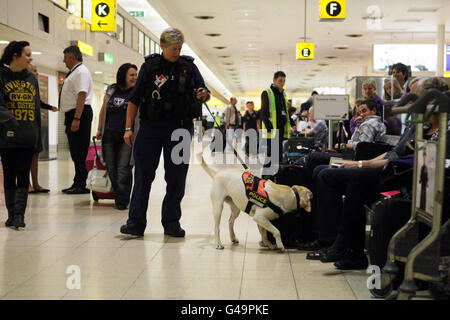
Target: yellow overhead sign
(104, 15)
(305, 50)
(332, 10)
(85, 48)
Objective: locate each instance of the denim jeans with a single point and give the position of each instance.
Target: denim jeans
(117, 156)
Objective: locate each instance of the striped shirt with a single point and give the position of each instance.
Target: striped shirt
(371, 130)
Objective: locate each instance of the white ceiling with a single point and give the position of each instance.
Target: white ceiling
(260, 37)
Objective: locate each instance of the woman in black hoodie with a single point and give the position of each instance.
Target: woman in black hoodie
(20, 122)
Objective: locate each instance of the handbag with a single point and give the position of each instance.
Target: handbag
(98, 179)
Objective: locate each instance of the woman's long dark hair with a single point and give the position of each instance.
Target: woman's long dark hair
(121, 76)
(14, 47)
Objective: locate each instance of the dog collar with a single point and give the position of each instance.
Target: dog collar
(297, 196)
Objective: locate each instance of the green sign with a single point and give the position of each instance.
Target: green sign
(137, 13)
(108, 58)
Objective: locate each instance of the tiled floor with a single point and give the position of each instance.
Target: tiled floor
(72, 230)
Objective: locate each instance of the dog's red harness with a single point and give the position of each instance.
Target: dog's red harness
(256, 193)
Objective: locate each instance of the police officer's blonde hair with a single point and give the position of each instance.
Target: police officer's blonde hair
(171, 36)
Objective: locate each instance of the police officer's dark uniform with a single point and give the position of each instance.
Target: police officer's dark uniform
(167, 101)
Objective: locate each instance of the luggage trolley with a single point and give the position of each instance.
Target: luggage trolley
(426, 259)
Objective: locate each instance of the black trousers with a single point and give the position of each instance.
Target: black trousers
(79, 143)
(347, 217)
(151, 140)
(271, 163)
(16, 167)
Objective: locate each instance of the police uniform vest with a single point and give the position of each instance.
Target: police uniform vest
(170, 92)
(273, 117)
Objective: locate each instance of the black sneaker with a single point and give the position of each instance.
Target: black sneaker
(176, 232)
(352, 261)
(67, 189)
(78, 191)
(131, 229)
(121, 206)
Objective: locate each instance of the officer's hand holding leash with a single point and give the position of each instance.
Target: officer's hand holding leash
(201, 94)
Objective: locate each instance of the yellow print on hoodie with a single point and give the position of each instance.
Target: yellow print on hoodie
(20, 99)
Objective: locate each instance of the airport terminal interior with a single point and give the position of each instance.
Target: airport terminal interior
(72, 247)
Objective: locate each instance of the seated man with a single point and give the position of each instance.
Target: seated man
(358, 181)
(318, 129)
(372, 129)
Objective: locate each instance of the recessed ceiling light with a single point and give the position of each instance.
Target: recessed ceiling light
(231, 69)
(317, 70)
(228, 63)
(343, 47)
(224, 57)
(213, 34)
(323, 64)
(4, 42)
(354, 35)
(204, 17)
(98, 72)
(219, 48)
(423, 9)
(36, 52)
(331, 57)
(408, 20)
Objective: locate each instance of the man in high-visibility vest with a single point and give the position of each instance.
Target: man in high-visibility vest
(218, 120)
(275, 123)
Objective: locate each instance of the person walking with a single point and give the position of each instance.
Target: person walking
(169, 93)
(20, 127)
(75, 100)
(111, 129)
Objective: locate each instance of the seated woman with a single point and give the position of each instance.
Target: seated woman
(111, 129)
(393, 124)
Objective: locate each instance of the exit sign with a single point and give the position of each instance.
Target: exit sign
(137, 13)
(106, 57)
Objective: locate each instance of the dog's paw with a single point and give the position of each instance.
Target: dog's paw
(235, 241)
(262, 244)
(282, 249)
(219, 247)
(272, 246)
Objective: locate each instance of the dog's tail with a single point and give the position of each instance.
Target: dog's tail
(210, 171)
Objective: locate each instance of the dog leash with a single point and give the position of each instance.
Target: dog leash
(226, 140)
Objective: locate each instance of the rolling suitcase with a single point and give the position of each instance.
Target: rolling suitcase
(384, 219)
(93, 151)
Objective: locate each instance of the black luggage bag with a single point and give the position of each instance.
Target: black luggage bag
(384, 219)
(291, 174)
(291, 226)
(294, 226)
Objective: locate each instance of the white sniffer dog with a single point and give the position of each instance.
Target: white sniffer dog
(228, 187)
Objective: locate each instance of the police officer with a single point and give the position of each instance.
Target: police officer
(169, 93)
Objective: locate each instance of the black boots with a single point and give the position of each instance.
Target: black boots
(10, 195)
(16, 202)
